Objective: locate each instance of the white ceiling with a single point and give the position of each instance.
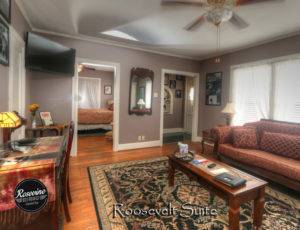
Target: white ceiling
(160, 28)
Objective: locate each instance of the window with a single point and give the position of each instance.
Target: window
(89, 93)
(268, 91)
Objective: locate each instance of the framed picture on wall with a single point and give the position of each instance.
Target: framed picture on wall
(179, 77)
(213, 91)
(107, 90)
(5, 9)
(46, 118)
(173, 84)
(178, 93)
(4, 43)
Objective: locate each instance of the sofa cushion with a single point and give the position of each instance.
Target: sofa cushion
(275, 163)
(282, 144)
(245, 138)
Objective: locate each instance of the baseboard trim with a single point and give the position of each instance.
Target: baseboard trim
(173, 130)
(198, 138)
(139, 145)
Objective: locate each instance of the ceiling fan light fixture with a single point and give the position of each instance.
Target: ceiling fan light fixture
(219, 15)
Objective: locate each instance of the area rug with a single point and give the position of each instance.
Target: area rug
(135, 195)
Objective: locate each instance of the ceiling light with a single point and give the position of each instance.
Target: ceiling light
(119, 34)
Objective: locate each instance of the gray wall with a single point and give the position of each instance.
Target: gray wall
(131, 126)
(107, 78)
(175, 120)
(19, 24)
(210, 116)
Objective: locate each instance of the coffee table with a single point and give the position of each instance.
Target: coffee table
(254, 189)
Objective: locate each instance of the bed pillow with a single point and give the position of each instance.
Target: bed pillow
(245, 138)
(282, 144)
(111, 107)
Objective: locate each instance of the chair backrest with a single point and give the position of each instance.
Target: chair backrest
(69, 145)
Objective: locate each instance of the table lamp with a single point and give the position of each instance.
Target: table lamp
(141, 103)
(229, 110)
(9, 121)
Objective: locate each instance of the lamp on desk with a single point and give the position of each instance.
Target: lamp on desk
(9, 121)
(229, 110)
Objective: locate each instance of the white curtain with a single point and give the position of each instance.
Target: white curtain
(89, 90)
(287, 91)
(251, 93)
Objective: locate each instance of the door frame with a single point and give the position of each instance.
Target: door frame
(15, 37)
(196, 77)
(75, 79)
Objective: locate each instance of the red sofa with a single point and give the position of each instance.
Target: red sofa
(277, 156)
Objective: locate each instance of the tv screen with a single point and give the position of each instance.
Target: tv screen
(48, 56)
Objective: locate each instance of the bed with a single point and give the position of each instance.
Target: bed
(95, 119)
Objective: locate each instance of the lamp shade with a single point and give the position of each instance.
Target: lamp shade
(229, 108)
(9, 120)
(141, 102)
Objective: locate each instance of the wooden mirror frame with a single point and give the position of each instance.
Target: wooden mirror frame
(141, 73)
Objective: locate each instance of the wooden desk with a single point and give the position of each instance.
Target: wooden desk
(254, 188)
(58, 129)
(41, 162)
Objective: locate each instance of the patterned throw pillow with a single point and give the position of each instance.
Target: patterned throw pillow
(281, 144)
(245, 138)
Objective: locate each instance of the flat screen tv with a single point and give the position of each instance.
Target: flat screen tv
(48, 56)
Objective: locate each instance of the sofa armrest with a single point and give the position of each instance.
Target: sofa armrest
(223, 134)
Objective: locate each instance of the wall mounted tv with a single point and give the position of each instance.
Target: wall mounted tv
(48, 56)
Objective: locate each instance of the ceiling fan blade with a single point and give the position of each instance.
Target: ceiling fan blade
(180, 3)
(248, 2)
(196, 23)
(238, 21)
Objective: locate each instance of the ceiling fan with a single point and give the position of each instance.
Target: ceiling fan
(217, 11)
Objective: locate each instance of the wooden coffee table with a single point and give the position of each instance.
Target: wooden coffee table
(254, 188)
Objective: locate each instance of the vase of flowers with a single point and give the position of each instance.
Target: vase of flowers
(33, 108)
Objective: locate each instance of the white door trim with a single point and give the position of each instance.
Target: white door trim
(196, 105)
(116, 126)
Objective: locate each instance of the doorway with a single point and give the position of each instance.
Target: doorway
(96, 87)
(179, 114)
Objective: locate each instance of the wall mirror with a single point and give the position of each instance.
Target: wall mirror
(141, 87)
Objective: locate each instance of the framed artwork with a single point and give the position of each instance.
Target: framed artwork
(46, 118)
(4, 43)
(166, 79)
(5, 9)
(178, 93)
(107, 90)
(173, 84)
(213, 92)
(179, 77)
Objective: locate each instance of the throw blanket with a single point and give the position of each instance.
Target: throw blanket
(95, 116)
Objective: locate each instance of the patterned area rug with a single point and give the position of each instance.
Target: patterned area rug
(135, 195)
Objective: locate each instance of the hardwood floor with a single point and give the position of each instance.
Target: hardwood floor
(97, 151)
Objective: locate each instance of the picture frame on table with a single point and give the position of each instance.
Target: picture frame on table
(107, 89)
(213, 89)
(4, 43)
(46, 118)
(5, 9)
(172, 84)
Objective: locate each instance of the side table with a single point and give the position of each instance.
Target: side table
(208, 138)
(57, 128)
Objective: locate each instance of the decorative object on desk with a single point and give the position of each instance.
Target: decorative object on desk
(9, 121)
(229, 110)
(46, 118)
(5, 9)
(213, 91)
(107, 90)
(33, 108)
(173, 84)
(4, 41)
(178, 93)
